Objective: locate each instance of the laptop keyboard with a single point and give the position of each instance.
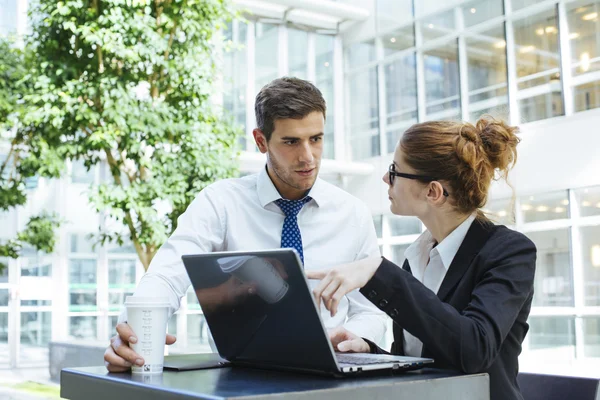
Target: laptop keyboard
(362, 360)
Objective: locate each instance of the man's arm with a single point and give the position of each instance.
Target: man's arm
(364, 319)
(200, 229)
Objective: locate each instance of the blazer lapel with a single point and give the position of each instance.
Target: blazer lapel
(474, 240)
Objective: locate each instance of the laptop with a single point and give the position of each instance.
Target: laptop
(261, 312)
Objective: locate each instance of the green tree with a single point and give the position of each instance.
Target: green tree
(130, 83)
(26, 157)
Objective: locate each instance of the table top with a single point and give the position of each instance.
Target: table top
(230, 383)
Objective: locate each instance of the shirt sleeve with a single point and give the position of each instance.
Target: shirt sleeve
(200, 229)
(364, 319)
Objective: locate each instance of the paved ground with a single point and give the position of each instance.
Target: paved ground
(11, 377)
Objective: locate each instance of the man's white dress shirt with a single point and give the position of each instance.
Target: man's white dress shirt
(240, 214)
(429, 265)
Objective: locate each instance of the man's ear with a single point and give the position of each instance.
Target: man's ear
(260, 139)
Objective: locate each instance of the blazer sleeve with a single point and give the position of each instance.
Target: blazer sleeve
(471, 339)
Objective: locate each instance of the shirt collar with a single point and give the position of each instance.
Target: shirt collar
(447, 249)
(267, 192)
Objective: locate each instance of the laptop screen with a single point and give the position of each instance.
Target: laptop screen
(259, 308)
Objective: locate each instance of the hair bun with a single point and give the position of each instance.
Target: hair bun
(499, 141)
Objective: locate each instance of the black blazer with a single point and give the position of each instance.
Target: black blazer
(477, 320)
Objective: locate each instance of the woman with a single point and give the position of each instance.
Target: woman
(464, 292)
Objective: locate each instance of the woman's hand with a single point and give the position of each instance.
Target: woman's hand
(347, 342)
(337, 282)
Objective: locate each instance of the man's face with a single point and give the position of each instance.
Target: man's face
(294, 153)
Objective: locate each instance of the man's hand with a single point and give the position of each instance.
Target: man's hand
(119, 357)
(347, 342)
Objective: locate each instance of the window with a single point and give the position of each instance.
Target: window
(552, 337)
(36, 328)
(121, 281)
(437, 26)
(83, 327)
(442, 94)
(538, 62)
(266, 54)
(360, 54)
(378, 221)
(391, 14)
(488, 88)
(401, 98)
(400, 226)
(588, 201)
(398, 40)
(545, 206)
(480, 11)
(197, 331)
(553, 285)
(80, 173)
(297, 53)
(582, 19)
(589, 237)
(364, 115)
(398, 253)
(324, 46)
(591, 329)
(500, 211)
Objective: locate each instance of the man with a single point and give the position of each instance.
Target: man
(285, 205)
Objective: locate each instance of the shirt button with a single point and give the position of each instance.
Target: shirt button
(383, 303)
(372, 294)
(394, 313)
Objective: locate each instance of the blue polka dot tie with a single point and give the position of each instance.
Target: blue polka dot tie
(290, 234)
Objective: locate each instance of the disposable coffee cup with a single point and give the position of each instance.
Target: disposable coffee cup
(270, 286)
(147, 316)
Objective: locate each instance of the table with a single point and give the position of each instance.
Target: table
(91, 383)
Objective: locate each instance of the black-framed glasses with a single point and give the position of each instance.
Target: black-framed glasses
(392, 174)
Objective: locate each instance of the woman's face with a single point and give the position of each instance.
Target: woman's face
(407, 196)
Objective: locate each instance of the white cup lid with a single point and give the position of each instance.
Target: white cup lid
(230, 264)
(137, 301)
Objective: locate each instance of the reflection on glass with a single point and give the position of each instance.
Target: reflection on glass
(538, 62)
(582, 17)
(378, 221)
(197, 330)
(488, 89)
(400, 226)
(83, 327)
(401, 97)
(3, 327)
(80, 173)
(519, 4)
(82, 271)
(553, 285)
(591, 336)
(36, 328)
(588, 201)
(437, 26)
(398, 253)
(364, 115)
(545, 207)
(359, 54)
(392, 14)
(478, 11)
(398, 40)
(586, 96)
(297, 53)
(590, 250)
(442, 82)
(324, 45)
(4, 297)
(82, 297)
(500, 211)
(80, 243)
(552, 337)
(266, 54)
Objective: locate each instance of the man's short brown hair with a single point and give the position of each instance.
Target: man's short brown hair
(285, 98)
